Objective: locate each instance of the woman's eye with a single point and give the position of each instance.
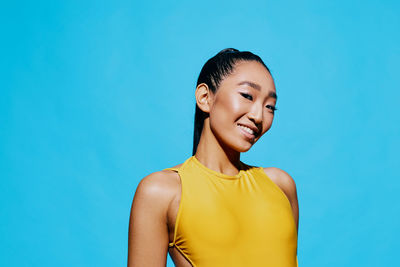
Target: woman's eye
(271, 107)
(247, 96)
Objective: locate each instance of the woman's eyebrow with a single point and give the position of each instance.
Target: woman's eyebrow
(258, 88)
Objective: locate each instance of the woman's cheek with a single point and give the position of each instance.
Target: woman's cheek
(268, 124)
(235, 105)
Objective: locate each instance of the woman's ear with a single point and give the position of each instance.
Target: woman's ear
(203, 97)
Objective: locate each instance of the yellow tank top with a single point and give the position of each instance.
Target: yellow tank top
(240, 220)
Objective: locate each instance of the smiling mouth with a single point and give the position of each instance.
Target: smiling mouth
(247, 132)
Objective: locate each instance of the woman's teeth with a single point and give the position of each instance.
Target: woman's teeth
(250, 131)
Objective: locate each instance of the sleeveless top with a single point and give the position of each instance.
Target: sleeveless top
(240, 220)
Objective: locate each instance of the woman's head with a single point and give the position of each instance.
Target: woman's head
(234, 89)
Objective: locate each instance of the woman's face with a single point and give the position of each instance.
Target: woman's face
(242, 109)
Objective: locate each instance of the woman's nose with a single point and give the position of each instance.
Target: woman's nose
(256, 113)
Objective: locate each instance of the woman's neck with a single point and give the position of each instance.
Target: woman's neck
(212, 154)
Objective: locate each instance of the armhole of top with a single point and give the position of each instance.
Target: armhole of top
(171, 169)
(277, 187)
(171, 244)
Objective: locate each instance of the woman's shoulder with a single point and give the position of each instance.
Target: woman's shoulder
(160, 184)
(278, 175)
(283, 179)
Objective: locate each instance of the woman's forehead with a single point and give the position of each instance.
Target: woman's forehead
(250, 74)
(249, 69)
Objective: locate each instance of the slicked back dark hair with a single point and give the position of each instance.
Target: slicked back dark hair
(213, 72)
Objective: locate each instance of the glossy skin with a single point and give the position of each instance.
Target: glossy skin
(156, 201)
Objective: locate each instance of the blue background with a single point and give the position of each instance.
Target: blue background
(95, 95)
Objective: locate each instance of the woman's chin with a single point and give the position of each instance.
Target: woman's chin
(244, 147)
(240, 145)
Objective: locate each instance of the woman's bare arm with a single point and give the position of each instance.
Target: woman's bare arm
(148, 231)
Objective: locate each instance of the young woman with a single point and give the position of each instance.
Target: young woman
(213, 209)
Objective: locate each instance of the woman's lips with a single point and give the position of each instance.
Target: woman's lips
(248, 135)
